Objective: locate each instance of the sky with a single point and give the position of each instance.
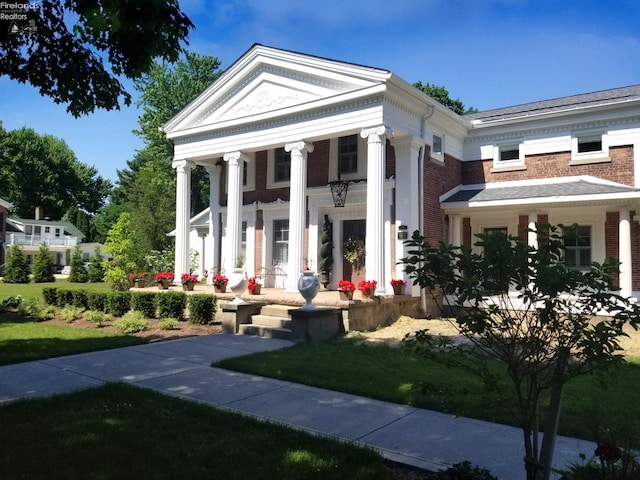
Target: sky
(487, 53)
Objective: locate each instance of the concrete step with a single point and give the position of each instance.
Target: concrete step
(271, 321)
(265, 331)
(275, 310)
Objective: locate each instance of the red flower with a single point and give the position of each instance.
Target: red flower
(136, 276)
(164, 276)
(398, 282)
(366, 285)
(220, 280)
(346, 286)
(253, 284)
(189, 278)
(608, 452)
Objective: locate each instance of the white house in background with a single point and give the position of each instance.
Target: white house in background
(277, 127)
(61, 237)
(4, 211)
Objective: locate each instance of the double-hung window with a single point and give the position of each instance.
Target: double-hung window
(280, 241)
(348, 155)
(577, 244)
(281, 165)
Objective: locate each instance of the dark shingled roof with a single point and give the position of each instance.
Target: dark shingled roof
(578, 187)
(559, 104)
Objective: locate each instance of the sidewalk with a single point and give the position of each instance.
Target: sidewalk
(417, 437)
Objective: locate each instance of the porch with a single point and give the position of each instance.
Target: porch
(360, 314)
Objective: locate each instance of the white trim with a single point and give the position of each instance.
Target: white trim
(271, 183)
(602, 154)
(509, 145)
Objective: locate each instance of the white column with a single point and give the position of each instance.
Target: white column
(183, 216)
(455, 229)
(532, 236)
(297, 209)
(624, 252)
(374, 260)
(407, 207)
(235, 163)
(211, 257)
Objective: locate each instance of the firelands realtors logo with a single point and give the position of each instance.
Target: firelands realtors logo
(19, 16)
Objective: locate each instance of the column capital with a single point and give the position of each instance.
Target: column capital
(408, 142)
(213, 170)
(374, 134)
(299, 145)
(236, 157)
(182, 165)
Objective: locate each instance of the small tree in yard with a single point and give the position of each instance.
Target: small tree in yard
(78, 273)
(43, 266)
(525, 308)
(17, 269)
(96, 270)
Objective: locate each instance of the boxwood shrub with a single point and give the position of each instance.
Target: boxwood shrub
(65, 297)
(202, 308)
(117, 303)
(144, 302)
(96, 301)
(171, 304)
(50, 295)
(79, 299)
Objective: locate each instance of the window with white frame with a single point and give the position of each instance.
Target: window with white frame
(437, 148)
(280, 241)
(347, 155)
(508, 154)
(577, 244)
(589, 145)
(243, 240)
(281, 165)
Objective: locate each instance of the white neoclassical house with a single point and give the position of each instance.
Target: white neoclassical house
(278, 127)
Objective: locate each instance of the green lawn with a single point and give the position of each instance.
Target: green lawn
(124, 432)
(396, 375)
(28, 290)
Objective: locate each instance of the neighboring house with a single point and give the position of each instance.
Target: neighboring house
(61, 237)
(4, 212)
(278, 127)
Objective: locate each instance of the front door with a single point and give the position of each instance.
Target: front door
(352, 232)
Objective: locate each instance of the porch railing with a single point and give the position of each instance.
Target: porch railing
(37, 240)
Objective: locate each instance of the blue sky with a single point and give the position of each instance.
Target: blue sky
(488, 53)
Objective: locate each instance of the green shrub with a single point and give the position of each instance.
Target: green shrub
(97, 317)
(17, 269)
(132, 322)
(12, 302)
(168, 323)
(171, 304)
(71, 313)
(202, 308)
(43, 266)
(50, 295)
(96, 300)
(65, 297)
(32, 307)
(117, 303)
(96, 270)
(78, 272)
(80, 299)
(144, 302)
(464, 471)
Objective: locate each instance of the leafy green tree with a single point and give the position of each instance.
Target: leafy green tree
(78, 273)
(96, 270)
(66, 59)
(41, 171)
(543, 321)
(441, 94)
(43, 265)
(83, 222)
(123, 244)
(17, 269)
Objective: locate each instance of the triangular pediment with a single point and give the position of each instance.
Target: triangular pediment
(267, 82)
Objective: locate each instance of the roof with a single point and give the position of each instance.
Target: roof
(6, 204)
(573, 102)
(562, 191)
(69, 228)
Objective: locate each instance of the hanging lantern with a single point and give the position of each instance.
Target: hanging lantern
(339, 192)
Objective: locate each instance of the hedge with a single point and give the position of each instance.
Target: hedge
(144, 302)
(202, 308)
(171, 304)
(118, 303)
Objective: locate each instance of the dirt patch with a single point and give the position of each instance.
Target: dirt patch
(153, 334)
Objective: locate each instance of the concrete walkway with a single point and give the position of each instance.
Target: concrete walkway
(417, 437)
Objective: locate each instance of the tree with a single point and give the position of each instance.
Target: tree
(122, 243)
(41, 171)
(78, 273)
(441, 94)
(43, 266)
(17, 269)
(528, 310)
(62, 58)
(83, 222)
(96, 270)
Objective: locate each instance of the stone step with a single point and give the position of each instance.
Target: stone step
(271, 321)
(264, 331)
(275, 310)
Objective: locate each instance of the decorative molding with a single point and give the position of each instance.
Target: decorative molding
(183, 166)
(263, 101)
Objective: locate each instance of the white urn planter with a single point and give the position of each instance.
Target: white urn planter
(308, 285)
(238, 284)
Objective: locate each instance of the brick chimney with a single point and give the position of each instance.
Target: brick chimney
(39, 213)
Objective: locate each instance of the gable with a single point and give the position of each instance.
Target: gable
(266, 83)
